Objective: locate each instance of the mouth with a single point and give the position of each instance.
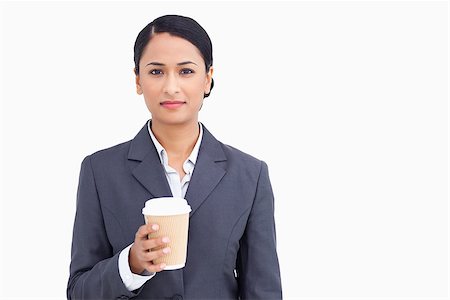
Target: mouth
(172, 104)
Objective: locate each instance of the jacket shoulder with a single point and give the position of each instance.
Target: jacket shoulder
(236, 156)
(110, 154)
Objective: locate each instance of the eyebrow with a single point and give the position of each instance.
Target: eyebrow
(178, 64)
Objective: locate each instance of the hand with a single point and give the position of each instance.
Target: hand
(141, 254)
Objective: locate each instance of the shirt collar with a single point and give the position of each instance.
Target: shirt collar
(163, 153)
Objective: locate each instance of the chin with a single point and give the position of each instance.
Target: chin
(176, 120)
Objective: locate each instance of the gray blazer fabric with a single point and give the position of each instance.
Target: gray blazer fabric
(231, 225)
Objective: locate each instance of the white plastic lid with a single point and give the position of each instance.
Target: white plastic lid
(166, 206)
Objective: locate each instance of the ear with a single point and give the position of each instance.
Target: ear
(138, 84)
(208, 80)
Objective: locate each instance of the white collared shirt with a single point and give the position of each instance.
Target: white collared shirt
(178, 188)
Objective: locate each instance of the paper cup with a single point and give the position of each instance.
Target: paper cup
(172, 216)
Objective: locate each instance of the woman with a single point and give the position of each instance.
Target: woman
(231, 243)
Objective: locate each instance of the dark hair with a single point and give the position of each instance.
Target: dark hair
(180, 26)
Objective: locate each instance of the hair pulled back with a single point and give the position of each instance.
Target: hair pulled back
(180, 26)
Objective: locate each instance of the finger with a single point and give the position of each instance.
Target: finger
(145, 230)
(153, 243)
(154, 268)
(152, 255)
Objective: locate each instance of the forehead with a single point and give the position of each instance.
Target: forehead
(165, 48)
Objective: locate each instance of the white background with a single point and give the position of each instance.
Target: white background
(347, 102)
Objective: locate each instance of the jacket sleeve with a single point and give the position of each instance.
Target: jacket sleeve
(257, 263)
(94, 271)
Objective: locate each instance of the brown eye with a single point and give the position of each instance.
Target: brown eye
(186, 71)
(156, 72)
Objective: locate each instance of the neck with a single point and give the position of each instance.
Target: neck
(178, 140)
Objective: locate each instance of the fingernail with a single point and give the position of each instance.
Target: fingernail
(166, 250)
(165, 239)
(155, 226)
(162, 266)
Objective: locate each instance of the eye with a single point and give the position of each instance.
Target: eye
(187, 71)
(155, 72)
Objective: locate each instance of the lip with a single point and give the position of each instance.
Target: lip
(172, 104)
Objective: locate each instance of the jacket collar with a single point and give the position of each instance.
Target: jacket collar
(209, 168)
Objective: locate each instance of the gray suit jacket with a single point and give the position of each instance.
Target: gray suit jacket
(231, 225)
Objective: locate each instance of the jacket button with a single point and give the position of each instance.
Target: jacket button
(177, 297)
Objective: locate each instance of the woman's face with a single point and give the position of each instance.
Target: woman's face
(173, 79)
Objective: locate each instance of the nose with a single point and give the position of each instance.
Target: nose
(171, 84)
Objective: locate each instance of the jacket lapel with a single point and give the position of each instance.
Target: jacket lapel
(149, 172)
(208, 171)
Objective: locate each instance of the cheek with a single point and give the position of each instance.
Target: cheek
(151, 96)
(197, 87)
(151, 90)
